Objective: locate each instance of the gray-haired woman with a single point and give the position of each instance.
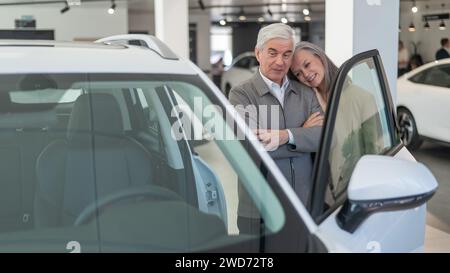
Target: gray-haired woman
(312, 67)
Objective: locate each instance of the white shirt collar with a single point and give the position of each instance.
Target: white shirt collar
(273, 85)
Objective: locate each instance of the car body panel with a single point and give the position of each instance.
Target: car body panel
(24, 57)
(429, 105)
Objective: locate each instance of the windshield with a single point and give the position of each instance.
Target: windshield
(121, 162)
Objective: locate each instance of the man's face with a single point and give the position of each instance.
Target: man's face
(447, 45)
(275, 58)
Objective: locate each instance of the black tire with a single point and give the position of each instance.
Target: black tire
(408, 129)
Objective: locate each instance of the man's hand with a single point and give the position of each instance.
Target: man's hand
(316, 119)
(272, 139)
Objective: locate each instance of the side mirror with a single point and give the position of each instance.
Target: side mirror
(382, 183)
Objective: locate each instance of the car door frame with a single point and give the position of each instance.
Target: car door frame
(321, 171)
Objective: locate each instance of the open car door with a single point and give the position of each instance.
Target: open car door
(370, 194)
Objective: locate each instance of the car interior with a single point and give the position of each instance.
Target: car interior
(97, 161)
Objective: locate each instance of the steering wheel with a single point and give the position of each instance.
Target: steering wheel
(143, 192)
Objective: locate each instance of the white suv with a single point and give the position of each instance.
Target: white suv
(91, 161)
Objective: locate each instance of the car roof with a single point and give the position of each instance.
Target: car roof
(245, 54)
(36, 56)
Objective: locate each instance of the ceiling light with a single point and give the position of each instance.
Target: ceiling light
(112, 9)
(284, 20)
(412, 28)
(261, 19)
(74, 2)
(442, 25)
(307, 18)
(414, 8)
(222, 22)
(242, 16)
(305, 11)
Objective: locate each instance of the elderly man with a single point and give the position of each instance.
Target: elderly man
(290, 130)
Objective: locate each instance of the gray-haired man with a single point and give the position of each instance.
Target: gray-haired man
(292, 135)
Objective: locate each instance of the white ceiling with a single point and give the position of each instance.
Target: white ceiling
(255, 8)
(219, 9)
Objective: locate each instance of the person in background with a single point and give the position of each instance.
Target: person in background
(217, 71)
(403, 59)
(312, 67)
(415, 62)
(443, 52)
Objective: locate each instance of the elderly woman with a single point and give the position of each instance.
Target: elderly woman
(312, 67)
(357, 128)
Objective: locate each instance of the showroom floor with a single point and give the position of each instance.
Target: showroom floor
(437, 158)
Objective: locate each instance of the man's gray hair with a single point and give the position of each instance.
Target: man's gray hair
(272, 31)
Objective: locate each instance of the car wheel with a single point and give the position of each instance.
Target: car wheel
(408, 129)
(227, 90)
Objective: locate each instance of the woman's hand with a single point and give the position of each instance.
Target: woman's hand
(316, 119)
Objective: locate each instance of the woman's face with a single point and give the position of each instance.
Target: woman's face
(308, 68)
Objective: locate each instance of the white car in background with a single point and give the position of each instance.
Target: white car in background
(242, 68)
(423, 107)
(91, 164)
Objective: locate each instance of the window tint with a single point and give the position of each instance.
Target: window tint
(254, 62)
(110, 165)
(436, 76)
(243, 63)
(418, 78)
(361, 126)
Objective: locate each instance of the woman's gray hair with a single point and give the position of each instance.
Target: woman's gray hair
(330, 67)
(272, 31)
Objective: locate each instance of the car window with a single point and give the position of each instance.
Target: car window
(45, 96)
(114, 173)
(254, 62)
(418, 78)
(436, 76)
(245, 63)
(361, 126)
(221, 153)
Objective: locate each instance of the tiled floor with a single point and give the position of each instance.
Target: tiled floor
(437, 159)
(436, 240)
